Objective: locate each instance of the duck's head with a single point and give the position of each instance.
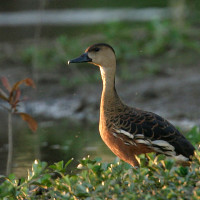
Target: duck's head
(101, 54)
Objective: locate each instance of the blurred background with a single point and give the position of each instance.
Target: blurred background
(157, 45)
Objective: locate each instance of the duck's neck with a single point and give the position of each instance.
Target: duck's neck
(109, 97)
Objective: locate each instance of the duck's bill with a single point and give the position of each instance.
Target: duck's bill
(83, 58)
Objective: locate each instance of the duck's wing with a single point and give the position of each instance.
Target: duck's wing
(155, 132)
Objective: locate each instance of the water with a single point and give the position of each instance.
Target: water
(54, 141)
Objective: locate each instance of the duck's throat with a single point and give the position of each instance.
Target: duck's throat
(109, 96)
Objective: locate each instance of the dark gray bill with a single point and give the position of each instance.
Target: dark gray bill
(83, 58)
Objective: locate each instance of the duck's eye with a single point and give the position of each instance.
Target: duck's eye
(96, 49)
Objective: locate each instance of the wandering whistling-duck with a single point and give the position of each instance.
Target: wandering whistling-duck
(130, 131)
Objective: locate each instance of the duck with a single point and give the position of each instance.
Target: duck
(130, 131)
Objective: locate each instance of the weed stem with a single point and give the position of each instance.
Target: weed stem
(10, 144)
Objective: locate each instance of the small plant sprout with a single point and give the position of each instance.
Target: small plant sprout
(12, 97)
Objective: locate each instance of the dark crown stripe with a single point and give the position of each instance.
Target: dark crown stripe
(98, 45)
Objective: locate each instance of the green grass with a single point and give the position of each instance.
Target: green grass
(93, 179)
(130, 41)
(147, 46)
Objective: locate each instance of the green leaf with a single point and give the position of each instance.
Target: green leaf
(182, 171)
(81, 191)
(169, 164)
(97, 169)
(68, 162)
(59, 165)
(194, 135)
(12, 178)
(37, 169)
(67, 179)
(98, 159)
